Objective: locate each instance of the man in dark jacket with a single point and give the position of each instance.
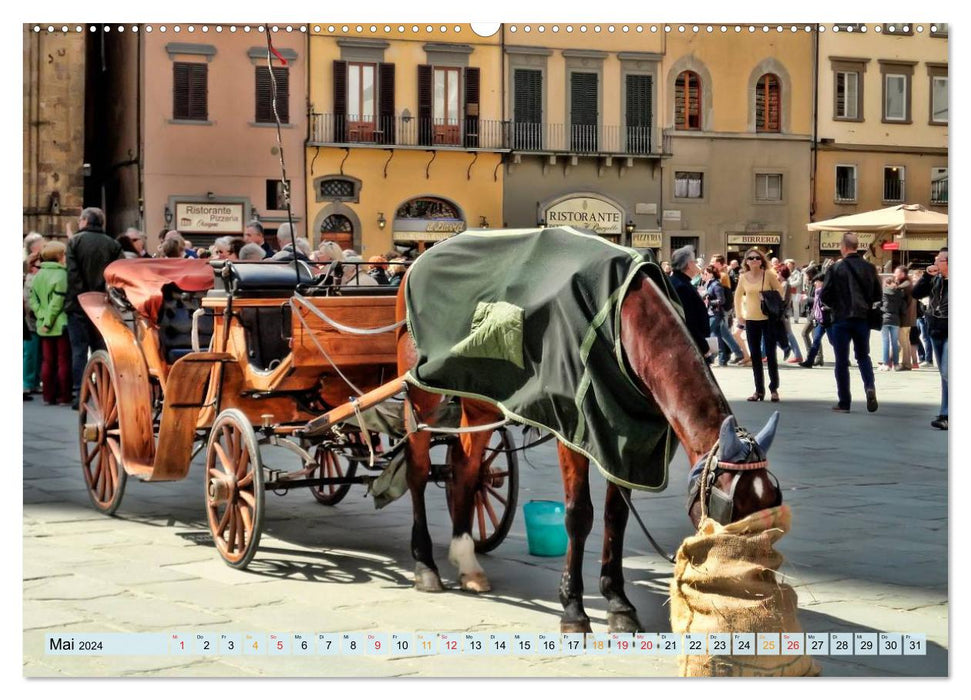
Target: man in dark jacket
(934, 285)
(88, 253)
(684, 268)
(851, 288)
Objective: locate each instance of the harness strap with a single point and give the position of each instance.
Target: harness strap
(365, 433)
(744, 467)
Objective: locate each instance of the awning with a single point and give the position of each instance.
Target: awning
(903, 218)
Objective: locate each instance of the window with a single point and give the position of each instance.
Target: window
(584, 103)
(897, 80)
(688, 185)
(767, 103)
(360, 101)
(687, 101)
(895, 97)
(847, 95)
(363, 102)
(339, 229)
(849, 28)
(275, 196)
(337, 188)
(528, 110)
(905, 28)
(440, 113)
(768, 187)
(639, 91)
(939, 186)
(845, 183)
(190, 93)
(893, 183)
(939, 29)
(264, 95)
(445, 108)
(939, 99)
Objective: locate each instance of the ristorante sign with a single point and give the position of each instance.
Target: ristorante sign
(586, 212)
(208, 217)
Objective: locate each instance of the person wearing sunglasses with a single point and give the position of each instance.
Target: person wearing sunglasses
(748, 314)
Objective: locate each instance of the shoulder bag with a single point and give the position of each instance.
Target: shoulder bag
(771, 302)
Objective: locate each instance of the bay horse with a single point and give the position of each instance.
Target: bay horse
(667, 366)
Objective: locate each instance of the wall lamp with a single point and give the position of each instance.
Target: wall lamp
(382, 222)
(483, 223)
(168, 216)
(630, 227)
(254, 214)
(541, 223)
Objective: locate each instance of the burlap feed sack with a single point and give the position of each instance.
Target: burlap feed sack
(725, 581)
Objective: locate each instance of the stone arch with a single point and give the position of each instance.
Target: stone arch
(691, 63)
(774, 66)
(343, 210)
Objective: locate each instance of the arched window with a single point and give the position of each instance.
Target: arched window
(687, 101)
(768, 103)
(338, 228)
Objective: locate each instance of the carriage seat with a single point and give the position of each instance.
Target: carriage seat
(175, 323)
(262, 278)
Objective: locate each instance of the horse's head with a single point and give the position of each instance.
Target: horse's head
(737, 482)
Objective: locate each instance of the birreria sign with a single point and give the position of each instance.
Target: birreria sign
(197, 217)
(586, 212)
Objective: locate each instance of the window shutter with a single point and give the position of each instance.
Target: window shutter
(340, 101)
(583, 111)
(767, 103)
(264, 95)
(639, 117)
(386, 103)
(528, 109)
(425, 105)
(471, 108)
(190, 91)
(180, 91)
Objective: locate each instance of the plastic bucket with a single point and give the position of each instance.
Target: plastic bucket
(545, 528)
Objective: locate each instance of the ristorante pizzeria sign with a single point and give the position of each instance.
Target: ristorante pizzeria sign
(205, 217)
(586, 212)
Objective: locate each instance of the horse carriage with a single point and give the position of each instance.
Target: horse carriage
(234, 358)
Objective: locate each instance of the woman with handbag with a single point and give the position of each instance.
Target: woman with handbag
(758, 309)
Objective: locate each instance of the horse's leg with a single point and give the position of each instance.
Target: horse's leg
(466, 465)
(621, 615)
(579, 521)
(418, 457)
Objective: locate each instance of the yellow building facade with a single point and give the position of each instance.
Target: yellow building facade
(883, 130)
(406, 134)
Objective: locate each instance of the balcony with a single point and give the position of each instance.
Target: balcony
(939, 192)
(484, 134)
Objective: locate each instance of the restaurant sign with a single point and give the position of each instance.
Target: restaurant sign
(830, 240)
(754, 238)
(407, 230)
(646, 239)
(596, 215)
(209, 217)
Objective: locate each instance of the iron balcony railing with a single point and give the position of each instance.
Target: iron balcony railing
(487, 134)
(939, 191)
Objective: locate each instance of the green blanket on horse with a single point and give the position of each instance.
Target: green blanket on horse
(529, 320)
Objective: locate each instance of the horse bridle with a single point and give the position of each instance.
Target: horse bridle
(717, 504)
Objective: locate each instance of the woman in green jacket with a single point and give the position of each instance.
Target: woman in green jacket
(47, 296)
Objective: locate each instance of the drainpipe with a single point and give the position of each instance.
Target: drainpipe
(814, 154)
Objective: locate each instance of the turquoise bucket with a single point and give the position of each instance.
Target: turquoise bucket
(545, 528)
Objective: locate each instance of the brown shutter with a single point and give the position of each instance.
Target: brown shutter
(198, 91)
(471, 108)
(264, 95)
(386, 102)
(425, 105)
(340, 101)
(180, 91)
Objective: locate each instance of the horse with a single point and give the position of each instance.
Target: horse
(730, 479)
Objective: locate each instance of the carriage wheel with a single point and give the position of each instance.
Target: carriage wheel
(234, 488)
(100, 435)
(494, 504)
(333, 464)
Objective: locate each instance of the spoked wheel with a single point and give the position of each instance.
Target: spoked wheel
(334, 464)
(234, 488)
(494, 504)
(100, 435)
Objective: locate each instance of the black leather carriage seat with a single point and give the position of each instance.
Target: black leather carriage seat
(175, 323)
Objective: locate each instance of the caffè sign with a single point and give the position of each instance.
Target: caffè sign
(208, 217)
(586, 212)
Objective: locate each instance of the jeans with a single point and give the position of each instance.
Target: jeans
(755, 331)
(726, 343)
(816, 347)
(84, 336)
(840, 334)
(925, 338)
(940, 353)
(32, 362)
(793, 344)
(891, 345)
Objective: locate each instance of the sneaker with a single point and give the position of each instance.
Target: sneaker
(940, 422)
(840, 409)
(806, 364)
(927, 364)
(794, 361)
(736, 361)
(27, 396)
(903, 369)
(871, 400)
(884, 368)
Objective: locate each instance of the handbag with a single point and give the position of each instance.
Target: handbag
(874, 314)
(771, 302)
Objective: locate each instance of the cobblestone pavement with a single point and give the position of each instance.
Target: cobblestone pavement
(868, 552)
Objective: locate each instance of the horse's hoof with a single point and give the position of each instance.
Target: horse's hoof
(625, 622)
(576, 627)
(476, 582)
(427, 580)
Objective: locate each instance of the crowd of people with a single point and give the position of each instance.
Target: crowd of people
(745, 311)
(58, 335)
